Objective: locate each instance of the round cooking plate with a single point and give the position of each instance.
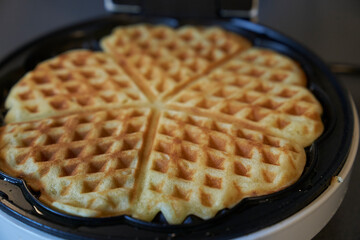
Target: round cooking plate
(325, 157)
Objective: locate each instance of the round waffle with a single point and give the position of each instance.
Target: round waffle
(182, 121)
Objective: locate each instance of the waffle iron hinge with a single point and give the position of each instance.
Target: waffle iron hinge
(246, 9)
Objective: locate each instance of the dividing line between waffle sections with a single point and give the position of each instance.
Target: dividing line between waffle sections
(144, 157)
(196, 78)
(142, 85)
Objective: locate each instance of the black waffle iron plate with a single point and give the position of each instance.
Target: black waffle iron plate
(325, 157)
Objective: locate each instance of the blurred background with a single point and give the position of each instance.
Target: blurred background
(330, 28)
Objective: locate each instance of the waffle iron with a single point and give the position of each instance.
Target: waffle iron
(248, 219)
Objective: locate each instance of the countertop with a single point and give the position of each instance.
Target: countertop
(330, 28)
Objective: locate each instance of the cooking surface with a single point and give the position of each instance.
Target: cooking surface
(325, 27)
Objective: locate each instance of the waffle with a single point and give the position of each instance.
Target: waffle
(199, 165)
(75, 81)
(183, 122)
(83, 164)
(162, 59)
(249, 89)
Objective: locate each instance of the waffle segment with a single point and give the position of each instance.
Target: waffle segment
(75, 81)
(163, 59)
(199, 166)
(282, 109)
(83, 164)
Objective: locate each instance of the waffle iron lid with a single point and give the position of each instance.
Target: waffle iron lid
(325, 157)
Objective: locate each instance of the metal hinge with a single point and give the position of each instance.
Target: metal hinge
(247, 9)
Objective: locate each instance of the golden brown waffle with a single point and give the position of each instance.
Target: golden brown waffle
(89, 164)
(83, 164)
(240, 92)
(199, 165)
(162, 59)
(75, 81)
(186, 121)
